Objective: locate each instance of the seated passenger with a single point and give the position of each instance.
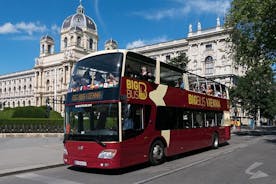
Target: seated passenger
(86, 78)
(202, 88)
(180, 83)
(98, 78)
(111, 79)
(209, 91)
(127, 124)
(146, 75)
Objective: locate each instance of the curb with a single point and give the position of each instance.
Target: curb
(23, 170)
(4, 135)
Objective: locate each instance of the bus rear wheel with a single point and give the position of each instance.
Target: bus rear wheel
(215, 141)
(156, 154)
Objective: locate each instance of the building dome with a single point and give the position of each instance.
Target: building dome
(46, 37)
(79, 20)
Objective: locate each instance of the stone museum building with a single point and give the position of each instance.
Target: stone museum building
(208, 51)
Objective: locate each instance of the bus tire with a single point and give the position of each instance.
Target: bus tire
(157, 154)
(215, 141)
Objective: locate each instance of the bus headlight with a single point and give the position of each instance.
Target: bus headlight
(107, 154)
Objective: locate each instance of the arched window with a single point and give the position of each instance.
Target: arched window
(209, 65)
(65, 42)
(43, 48)
(30, 87)
(29, 102)
(48, 85)
(49, 49)
(13, 104)
(23, 103)
(79, 41)
(90, 43)
(18, 104)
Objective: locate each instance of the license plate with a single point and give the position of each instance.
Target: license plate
(80, 163)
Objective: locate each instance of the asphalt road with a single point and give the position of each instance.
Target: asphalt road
(247, 159)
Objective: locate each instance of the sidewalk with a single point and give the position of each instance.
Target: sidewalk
(258, 131)
(18, 154)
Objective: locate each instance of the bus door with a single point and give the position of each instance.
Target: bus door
(134, 121)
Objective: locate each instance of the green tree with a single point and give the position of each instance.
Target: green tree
(256, 90)
(181, 61)
(252, 28)
(252, 25)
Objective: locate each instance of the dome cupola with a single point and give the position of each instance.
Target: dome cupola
(79, 31)
(79, 19)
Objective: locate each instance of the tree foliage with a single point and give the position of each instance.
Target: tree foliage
(252, 25)
(181, 61)
(256, 90)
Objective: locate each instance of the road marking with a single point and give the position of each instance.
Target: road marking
(44, 179)
(255, 175)
(212, 156)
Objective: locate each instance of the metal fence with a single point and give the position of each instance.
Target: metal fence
(37, 128)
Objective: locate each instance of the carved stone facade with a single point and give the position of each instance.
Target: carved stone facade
(50, 76)
(208, 51)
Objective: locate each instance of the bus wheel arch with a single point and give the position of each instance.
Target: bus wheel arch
(215, 140)
(157, 152)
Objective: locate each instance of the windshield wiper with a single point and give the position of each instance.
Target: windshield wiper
(81, 137)
(99, 142)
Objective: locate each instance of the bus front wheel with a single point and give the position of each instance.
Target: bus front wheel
(215, 143)
(156, 154)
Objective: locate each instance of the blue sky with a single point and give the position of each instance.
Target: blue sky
(130, 22)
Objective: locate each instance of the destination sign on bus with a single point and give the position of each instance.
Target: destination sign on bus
(203, 101)
(98, 95)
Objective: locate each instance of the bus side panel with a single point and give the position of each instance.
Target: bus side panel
(134, 150)
(224, 134)
(182, 141)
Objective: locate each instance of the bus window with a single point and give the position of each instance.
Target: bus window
(165, 118)
(140, 67)
(187, 119)
(193, 82)
(170, 76)
(199, 119)
(219, 117)
(210, 119)
(132, 120)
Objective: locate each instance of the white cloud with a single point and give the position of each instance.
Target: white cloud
(184, 7)
(136, 43)
(8, 28)
(140, 42)
(55, 29)
(218, 7)
(30, 27)
(25, 37)
(22, 27)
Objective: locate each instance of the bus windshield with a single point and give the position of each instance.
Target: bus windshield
(102, 71)
(92, 122)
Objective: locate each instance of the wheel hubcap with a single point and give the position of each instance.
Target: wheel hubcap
(216, 142)
(157, 152)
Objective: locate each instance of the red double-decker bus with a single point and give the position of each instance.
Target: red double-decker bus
(123, 108)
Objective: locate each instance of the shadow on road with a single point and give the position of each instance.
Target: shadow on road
(260, 131)
(272, 141)
(140, 166)
(109, 171)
